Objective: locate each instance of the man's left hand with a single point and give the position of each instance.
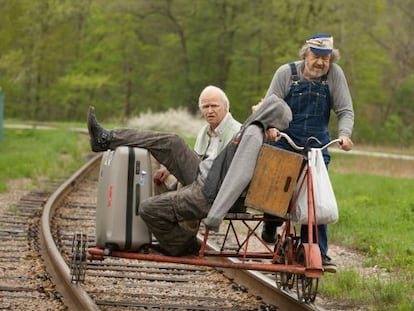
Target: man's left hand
(346, 143)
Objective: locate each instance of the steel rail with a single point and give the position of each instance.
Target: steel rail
(75, 298)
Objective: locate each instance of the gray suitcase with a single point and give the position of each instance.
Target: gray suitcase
(124, 181)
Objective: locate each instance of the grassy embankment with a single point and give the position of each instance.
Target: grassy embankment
(376, 214)
(377, 220)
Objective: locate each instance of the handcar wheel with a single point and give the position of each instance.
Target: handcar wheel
(284, 280)
(78, 262)
(306, 287)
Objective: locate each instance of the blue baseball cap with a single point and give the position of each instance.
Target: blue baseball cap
(321, 43)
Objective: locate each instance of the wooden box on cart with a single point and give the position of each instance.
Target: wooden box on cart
(274, 180)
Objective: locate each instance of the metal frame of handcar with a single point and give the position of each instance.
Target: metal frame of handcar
(291, 260)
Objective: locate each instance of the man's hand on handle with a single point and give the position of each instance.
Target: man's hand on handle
(346, 143)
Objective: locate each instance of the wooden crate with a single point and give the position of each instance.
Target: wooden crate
(274, 180)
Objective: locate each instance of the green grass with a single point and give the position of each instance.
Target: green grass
(368, 293)
(36, 154)
(379, 212)
(377, 219)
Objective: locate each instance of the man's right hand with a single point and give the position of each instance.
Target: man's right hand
(161, 175)
(273, 134)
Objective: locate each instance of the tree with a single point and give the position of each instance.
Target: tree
(128, 56)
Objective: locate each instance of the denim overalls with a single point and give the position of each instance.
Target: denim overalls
(310, 105)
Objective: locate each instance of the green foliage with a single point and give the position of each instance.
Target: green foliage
(405, 100)
(393, 131)
(128, 56)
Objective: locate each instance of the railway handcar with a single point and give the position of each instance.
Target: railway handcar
(239, 244)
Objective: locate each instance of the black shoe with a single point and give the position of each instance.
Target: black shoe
(270, 228)
(192, 249)
(99, 137)
(328, 264)
(269, 237)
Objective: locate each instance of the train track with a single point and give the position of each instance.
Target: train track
(125, 284)
(24, 282)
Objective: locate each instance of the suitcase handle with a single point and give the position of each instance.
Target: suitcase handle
(137, 198)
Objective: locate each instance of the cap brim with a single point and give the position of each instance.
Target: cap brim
(320, 51)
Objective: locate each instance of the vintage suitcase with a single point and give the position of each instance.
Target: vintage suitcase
(274, 180)
(124, 181)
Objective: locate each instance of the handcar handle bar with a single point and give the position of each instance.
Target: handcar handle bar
(296, 147)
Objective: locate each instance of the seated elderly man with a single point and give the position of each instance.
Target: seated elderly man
(163, 213)
(220, 128)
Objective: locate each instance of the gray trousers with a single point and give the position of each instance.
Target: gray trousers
(163, 213)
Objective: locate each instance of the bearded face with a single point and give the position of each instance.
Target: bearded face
(316, 65)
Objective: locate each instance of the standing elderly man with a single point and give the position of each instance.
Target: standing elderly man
(219, 130)
(312, 87)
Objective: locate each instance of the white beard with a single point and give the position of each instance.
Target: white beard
(313, 73)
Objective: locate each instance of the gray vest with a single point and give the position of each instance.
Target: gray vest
(221, 165)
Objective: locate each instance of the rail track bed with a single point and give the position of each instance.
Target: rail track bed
(24, 281)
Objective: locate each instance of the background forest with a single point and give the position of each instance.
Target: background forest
(129, 56)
